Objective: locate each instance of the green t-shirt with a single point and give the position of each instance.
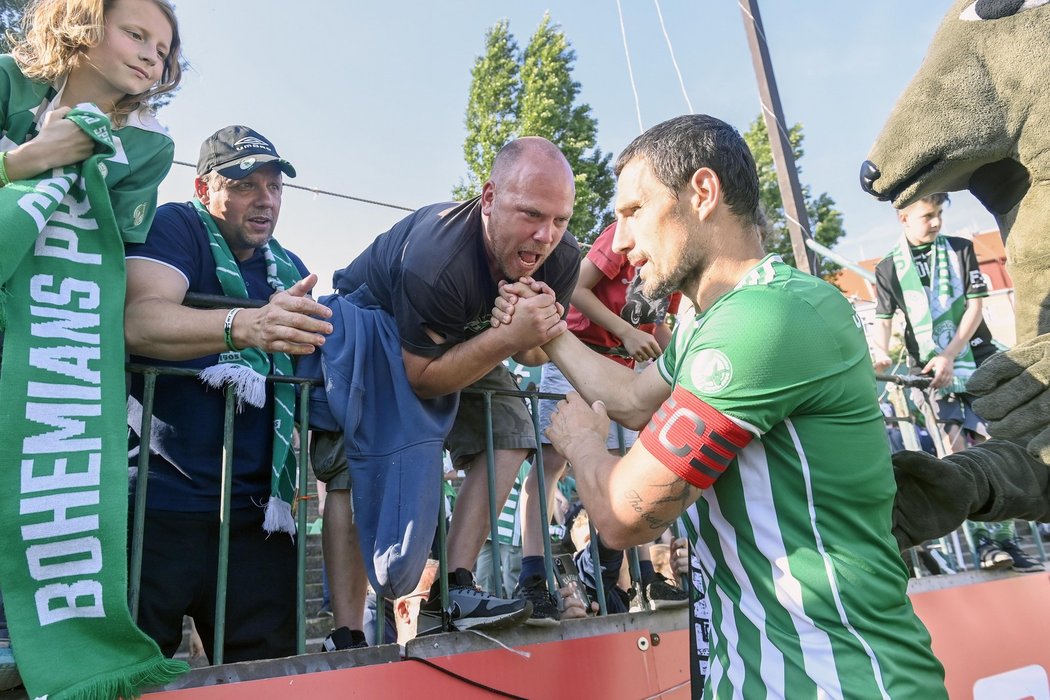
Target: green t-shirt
(806, 588)
(143, 157)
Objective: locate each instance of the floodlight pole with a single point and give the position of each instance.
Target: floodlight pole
(783, 157)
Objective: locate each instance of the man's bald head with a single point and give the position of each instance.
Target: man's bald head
(526, 152)
(526, 205)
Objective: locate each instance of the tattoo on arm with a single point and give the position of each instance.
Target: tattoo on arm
(678, 492)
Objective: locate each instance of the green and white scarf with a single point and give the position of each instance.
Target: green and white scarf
(935, 313)
(63, 456)
(246, 371)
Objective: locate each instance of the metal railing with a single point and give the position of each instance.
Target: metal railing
(950, 545)
(150, 373)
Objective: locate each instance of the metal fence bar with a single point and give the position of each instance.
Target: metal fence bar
(599, 583)
(225, 495)
(1038, 537)
(443, 564)
(541, 487)
(300, 511)
(490, 466)
(141, 483)
(633, 563)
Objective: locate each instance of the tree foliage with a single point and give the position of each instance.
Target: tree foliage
(824, 219)
(531, 93)
(10, 21)
(492, 108)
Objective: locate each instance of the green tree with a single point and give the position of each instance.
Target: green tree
(492, 108)
(10, 21)
(532, 93)
(824, 219)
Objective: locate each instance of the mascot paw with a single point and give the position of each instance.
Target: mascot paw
(1039, 447)
(1013, 394)
(1023, 369)
(933, 497)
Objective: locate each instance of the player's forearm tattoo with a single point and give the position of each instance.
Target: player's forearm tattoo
(678, 492)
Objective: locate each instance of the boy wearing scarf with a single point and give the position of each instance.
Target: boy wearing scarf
(221, 243)
(936, 281)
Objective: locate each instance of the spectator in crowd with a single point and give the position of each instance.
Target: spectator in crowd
(221, 243)
(612, 316)
(760, 411)
(937, 284)
(68, 115)
(436, 273)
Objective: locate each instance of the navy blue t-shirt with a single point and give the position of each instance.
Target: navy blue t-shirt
(186, 464)
(430, 271)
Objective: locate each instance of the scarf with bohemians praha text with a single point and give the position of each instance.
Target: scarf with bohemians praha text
(935, 312)
(246, 371)
(63, 456)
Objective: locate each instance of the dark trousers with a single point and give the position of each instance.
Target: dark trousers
(179, 564)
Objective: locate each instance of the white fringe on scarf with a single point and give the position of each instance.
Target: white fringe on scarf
(278, 517)
(248, 385)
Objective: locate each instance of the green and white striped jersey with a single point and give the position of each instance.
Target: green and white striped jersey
(806, 588)
(509, 521)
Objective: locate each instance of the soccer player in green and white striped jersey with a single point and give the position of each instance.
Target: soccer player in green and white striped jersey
(762, 412)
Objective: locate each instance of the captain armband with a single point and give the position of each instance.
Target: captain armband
(693, 439)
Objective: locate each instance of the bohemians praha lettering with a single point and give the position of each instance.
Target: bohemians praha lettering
(62, 458)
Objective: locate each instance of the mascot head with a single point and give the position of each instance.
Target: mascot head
(977, 117)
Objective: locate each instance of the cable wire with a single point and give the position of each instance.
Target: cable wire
(674, 61)
(464, 679)
(630, 71)
(317, 191)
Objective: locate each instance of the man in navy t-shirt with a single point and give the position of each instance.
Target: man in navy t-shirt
(437, 272)
(228, 227)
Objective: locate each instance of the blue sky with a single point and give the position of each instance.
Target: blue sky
(368, 99)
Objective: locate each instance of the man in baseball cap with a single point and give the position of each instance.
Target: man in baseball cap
(236, 151)
(221, 243)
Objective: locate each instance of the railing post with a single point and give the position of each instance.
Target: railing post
(141, 483)
(1038, 537)
(490, 466)
(541, 487)
(443, 564)
(300, 505)
(599, 583)
(224, 527)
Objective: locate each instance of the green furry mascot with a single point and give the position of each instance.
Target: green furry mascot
(977, 117)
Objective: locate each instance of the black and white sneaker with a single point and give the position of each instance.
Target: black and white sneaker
(1021, 562)
(470, 607)
(990, 554)
(663, 594)
(344, 638)
(544, 609)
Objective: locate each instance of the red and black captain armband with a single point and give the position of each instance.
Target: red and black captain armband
(693, 439)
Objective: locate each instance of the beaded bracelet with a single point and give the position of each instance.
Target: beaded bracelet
(227, 329)
(4, 179)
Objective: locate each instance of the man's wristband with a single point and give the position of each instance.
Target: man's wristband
(227, 329)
